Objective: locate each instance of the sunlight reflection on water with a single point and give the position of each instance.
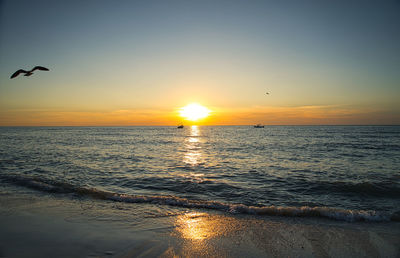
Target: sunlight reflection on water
(193, 154)
(195, 226)
(279, 165)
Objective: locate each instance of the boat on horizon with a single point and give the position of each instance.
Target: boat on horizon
(258, 126)
(180, 126)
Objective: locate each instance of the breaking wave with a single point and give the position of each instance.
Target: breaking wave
(305, 211)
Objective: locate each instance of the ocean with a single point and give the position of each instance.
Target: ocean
(349, 173)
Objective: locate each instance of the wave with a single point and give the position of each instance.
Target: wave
(51, 186)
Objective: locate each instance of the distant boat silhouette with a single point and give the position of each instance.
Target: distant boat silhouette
(180, 126)
(258, 126)
(28, 73)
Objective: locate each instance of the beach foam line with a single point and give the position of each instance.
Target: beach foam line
(305, 211)
(51, 186)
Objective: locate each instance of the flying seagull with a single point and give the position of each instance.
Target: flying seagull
(28, 73)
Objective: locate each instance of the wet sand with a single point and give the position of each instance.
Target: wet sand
(40, 226)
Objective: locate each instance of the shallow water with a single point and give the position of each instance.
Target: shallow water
(340, 172)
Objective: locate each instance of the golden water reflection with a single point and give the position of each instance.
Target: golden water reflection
(202, 234)
(192, 145)
(196, 226)
(200, 226)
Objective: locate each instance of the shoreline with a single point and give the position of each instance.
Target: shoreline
(43, 226)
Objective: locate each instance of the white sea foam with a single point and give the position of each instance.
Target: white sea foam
(305, 211)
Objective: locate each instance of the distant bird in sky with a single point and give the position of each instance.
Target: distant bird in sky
(267, 93)
(28, 73)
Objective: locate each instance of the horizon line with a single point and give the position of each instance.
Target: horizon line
(196, 125)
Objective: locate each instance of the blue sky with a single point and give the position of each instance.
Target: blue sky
(152, 57)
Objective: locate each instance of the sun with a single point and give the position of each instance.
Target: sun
(194, 112)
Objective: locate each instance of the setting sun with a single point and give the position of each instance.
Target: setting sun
(194, 112)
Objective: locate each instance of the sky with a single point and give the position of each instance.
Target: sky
(116, 63)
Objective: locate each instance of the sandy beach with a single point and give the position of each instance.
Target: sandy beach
(45, 226)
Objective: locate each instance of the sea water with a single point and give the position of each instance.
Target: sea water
(347, 173)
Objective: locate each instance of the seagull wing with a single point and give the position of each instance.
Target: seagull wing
(17, 73)
(40, 68)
